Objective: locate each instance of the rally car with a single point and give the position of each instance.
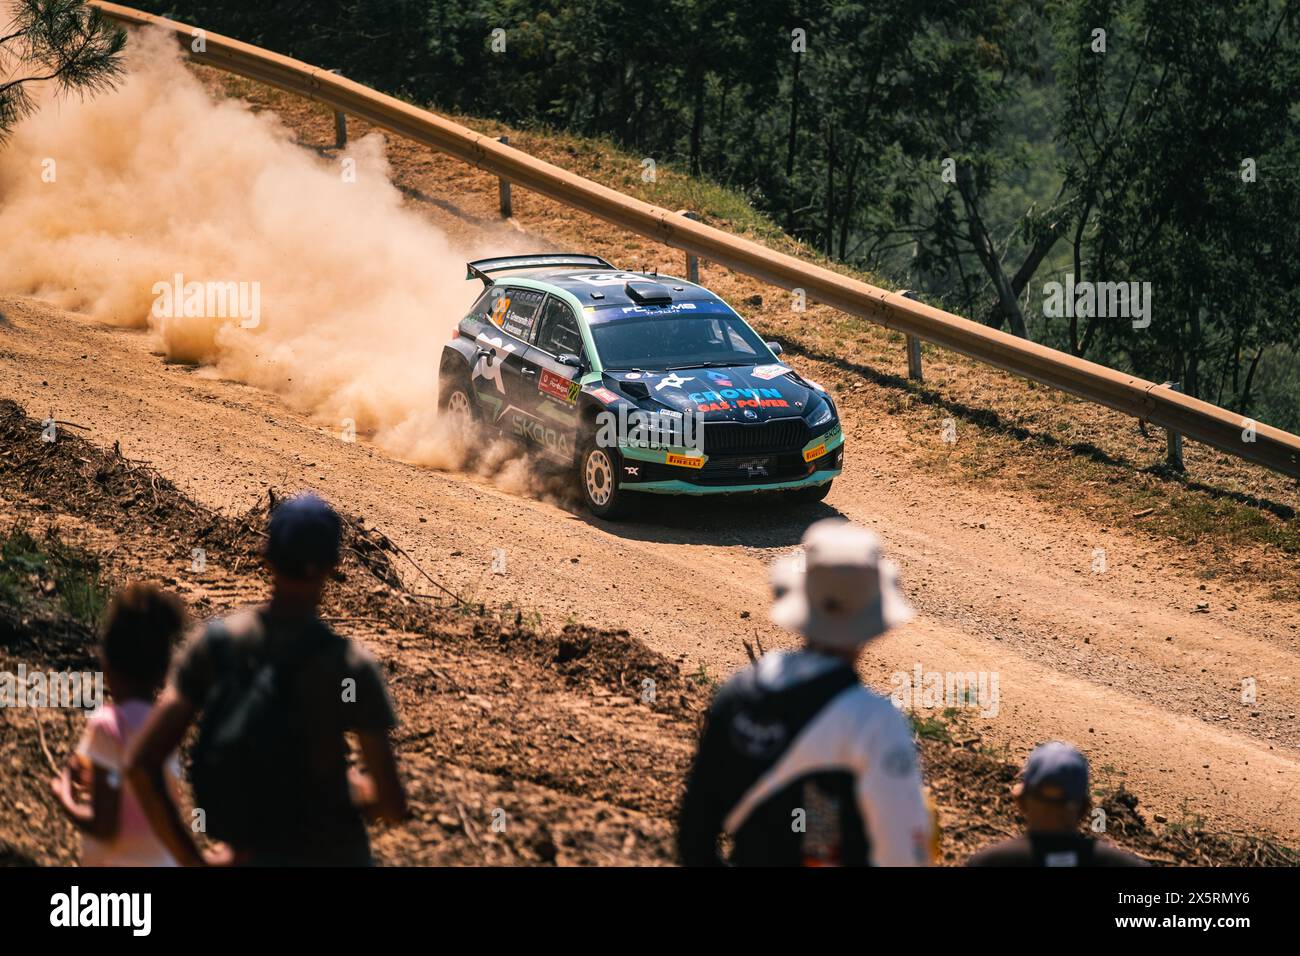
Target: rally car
(643, 383)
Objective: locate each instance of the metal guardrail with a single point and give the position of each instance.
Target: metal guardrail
(1193, 418)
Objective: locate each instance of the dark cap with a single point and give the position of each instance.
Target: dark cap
(1056, 771)
(303, 537)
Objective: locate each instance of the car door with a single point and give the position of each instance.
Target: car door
(498, 376)
(555, 384)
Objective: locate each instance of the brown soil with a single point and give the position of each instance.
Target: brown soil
(1142, 664)
(549, 731)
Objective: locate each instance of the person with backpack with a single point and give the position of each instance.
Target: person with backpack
(1052, 795)
(274, 691)
(799, 762)
(135, 649)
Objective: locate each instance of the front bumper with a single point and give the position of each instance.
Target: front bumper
(691, 473)
(678, 487)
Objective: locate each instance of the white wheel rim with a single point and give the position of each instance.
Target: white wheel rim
(599, 474)
(458, 405)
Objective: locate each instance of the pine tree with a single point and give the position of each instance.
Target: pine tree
(59, 41)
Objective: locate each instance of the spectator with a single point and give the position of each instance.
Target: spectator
(1052, 795)
(275, 690)
(135, 649)
(799, 762)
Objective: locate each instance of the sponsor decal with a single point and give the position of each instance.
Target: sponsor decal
(719, 379)
(728, 399)
(657, 309)
(756, 468)
(632, 471)
(814, 453)
(673, 380)
(685, 461)
(731, 394)
(609, 278)
(557, 386)
(489, 366)
(552, 439)
(632, 375)
(744, 403)
(768, 371)
(605, 395)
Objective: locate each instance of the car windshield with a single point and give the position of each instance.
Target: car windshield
(661, 339)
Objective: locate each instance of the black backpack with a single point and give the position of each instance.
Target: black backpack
(249, 766)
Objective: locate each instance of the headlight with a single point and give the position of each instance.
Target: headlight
(822, 415)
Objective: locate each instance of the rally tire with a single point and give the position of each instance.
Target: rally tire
(598, 470)
(456, 397)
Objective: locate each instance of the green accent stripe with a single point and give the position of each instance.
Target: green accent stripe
(675, 487)
(833, 439)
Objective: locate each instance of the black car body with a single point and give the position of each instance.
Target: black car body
(645, 383)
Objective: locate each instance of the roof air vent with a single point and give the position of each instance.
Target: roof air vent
(649, 293)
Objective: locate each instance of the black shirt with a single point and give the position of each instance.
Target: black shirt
(1054, 849)
(328, 828)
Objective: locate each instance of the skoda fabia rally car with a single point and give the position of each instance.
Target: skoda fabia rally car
(644, 384)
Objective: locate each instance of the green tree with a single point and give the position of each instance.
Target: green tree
(1183, 145)
(59, 41)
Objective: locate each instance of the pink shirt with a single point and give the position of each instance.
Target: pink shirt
(109, 731)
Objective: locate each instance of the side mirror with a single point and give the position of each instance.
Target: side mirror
(775, 347)
(569, 359)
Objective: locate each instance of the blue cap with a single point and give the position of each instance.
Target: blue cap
(1061, 768)
(303, 536)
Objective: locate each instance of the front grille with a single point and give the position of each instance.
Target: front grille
(770, 438)
(750, 469)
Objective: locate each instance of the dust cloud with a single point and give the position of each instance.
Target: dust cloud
(311, 282)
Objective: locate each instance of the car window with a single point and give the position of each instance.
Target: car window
(661, 340)
(491, 305)
(739, 344)
(519, 312)
(559, 333)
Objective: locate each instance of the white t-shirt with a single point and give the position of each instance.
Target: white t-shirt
(109, 731)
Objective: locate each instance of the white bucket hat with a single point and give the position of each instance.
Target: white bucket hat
(847, 593)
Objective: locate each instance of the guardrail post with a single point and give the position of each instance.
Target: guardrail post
(692, 262)
(914, 358)
(503, 185)
(1173, 440)
(913, 346)
(340, 124)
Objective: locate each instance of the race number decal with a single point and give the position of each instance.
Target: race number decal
(557, 386)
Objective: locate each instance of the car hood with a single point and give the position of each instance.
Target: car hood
(739, 393)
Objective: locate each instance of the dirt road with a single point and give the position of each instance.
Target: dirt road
(1182, 688)
(1121, 661)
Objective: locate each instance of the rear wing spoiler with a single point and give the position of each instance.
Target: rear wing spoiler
(479, 268)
